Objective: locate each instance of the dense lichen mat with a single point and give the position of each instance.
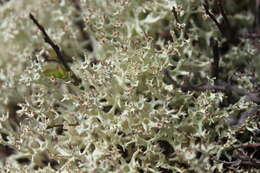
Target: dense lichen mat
(129, 86)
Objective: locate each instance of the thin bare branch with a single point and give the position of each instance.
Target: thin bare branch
(221, 8)
(56, 48)
(206, 6)
(175, 15)
(215, 63)
(62, 125)
(79, 22)
(222, 87)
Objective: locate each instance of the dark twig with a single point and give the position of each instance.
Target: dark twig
(248, 114)
(226, 21)
(215, 63)
(79, 22)
(56, 48)
(190, 87)
(240, 120)
(231, 34)
(222, 87)
(61, 125)
(250, 145)
(226, 30)
(47, 59)
(242, 156)
(206, 6)
(247, 161)
(246, 158)
(175, 14)
(252, 36)
(48, 40)
(257, 16)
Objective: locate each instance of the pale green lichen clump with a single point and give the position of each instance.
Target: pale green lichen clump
(124, 116)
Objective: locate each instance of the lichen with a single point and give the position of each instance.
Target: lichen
(125, 114)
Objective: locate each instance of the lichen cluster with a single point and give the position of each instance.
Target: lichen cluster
(126, 114)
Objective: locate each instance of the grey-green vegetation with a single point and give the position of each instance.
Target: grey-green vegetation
(151, 86)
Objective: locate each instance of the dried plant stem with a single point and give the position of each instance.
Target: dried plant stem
(56, 48)
(206, 6)
(79, 22)
(222, 87)
(216, 58)
(175, 14)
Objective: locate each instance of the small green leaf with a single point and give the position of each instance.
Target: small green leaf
(58, 72)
